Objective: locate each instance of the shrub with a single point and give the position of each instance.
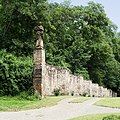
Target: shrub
(84, 94)
(72, 93)
(89, 95)
(93, 95)
(31, 91)
(37, 95)
(56, 91)
(24, 95)
(112, 117)
(15, 73)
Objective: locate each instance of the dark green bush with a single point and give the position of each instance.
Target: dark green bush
(56, 91)
(72, 93)
(112, 117)
(84, 94)
(15, 73)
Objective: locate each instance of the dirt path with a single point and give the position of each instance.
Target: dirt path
(62, 111)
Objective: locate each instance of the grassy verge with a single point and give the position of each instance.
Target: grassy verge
(80, 99)
(109, 102)
(17, 103)
(94, 117)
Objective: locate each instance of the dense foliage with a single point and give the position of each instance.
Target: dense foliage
(15, 73)
(80, 38)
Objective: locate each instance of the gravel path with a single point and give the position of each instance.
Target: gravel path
(62, 111)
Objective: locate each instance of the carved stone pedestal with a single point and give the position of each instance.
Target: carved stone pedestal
(39, 62)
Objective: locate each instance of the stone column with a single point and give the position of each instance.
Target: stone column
(39, 62)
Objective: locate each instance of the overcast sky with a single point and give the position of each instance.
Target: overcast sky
(111, 7)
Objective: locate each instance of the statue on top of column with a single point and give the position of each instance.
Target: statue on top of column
(39, 35)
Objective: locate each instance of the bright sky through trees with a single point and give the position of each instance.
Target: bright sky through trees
(111, 7)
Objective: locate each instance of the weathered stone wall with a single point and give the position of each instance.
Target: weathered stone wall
(59, 78)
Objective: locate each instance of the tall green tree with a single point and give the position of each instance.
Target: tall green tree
(18, 19)
(83, 39)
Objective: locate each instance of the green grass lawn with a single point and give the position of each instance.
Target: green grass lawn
(17, 103)
(109, 102)
(80, 99)
(93, 117)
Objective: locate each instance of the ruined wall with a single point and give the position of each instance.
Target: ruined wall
(62, 79)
